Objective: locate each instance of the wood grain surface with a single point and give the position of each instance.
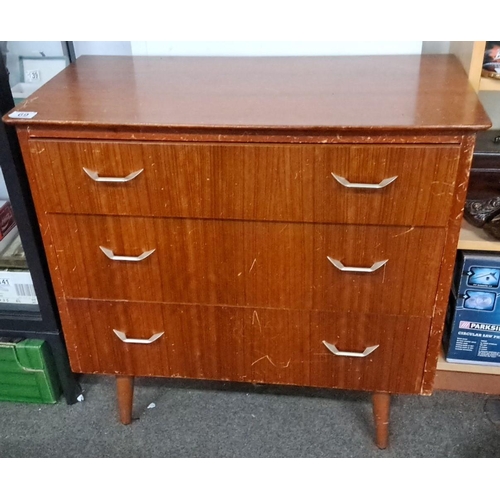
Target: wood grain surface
(125, 396)
(238, 200)
(381, 414)
(448, 264)
(246, 93)
(248, 263)
(395, 366)
(251, 182)
(258, 136)
(246, 345)
(483, 383)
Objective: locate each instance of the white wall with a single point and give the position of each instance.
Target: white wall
(491, 103)
(102, 48)
(273, 48)
(244, 48)
(33, 49)
(435, 47)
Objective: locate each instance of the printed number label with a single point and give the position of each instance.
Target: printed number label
(5, 282)
(23, 114)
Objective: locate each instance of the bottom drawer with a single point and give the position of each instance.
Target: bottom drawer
(245, 344)
(395, 365)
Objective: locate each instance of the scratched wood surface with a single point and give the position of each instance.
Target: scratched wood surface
(257, 182)
(395, 366)
(237, 179)
(246, 93)
(257, 136)
(247, 345)
(248, 263)
(448, 264)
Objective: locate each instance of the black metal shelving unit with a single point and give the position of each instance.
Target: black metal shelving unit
(27, 321)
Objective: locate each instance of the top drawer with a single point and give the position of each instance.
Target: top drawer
(247, 182)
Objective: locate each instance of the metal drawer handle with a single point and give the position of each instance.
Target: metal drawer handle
(361, 185)
(123, 337)
(95, 176)
(341, 266)
(110, 255)
(363, 354)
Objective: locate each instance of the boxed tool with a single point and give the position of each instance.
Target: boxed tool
(473, 332)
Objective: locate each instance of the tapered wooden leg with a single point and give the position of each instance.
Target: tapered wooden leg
(381, 410)
(125, 394)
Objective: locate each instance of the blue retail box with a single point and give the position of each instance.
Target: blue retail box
(474, 312)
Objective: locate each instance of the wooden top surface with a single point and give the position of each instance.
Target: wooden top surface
(320, 93)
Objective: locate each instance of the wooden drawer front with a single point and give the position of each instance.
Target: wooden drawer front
(248, 182)
(201, 342)
(396, 365)
(246, 344)
(257, 264)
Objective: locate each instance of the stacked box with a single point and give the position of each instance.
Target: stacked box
(27, 372)
(473, 330)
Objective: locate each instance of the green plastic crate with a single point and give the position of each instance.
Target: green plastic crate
(27, 372)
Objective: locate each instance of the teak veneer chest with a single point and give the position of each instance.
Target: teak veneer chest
(268, 220)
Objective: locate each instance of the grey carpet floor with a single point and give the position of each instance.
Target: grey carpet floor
(198, 419)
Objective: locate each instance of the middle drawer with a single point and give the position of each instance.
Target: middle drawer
(386, 270)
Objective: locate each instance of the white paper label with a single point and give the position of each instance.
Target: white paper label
(23, 114)
(16, 287)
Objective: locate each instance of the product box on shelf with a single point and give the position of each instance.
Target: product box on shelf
(473, 331)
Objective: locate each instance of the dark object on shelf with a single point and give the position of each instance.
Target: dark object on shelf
(491, 61)
(479, 212)
(492, 225)
(482, 206)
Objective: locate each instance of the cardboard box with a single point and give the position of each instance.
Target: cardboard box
(473, 329)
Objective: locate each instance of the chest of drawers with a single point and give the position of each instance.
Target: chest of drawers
(273, 220)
